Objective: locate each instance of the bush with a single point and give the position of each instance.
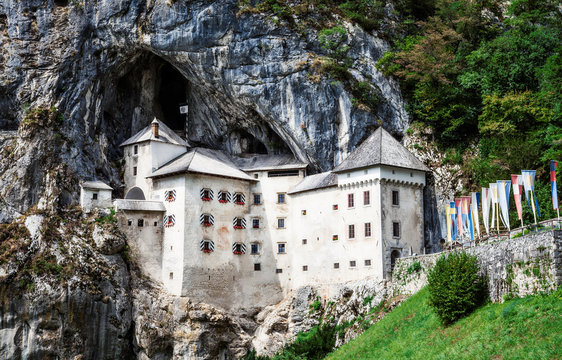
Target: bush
(455, 287)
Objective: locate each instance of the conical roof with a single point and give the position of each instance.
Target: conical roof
(380, 148)
(165, 135)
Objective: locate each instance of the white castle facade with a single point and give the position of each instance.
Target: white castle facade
(243, 231)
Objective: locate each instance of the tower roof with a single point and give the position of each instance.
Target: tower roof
(165, 135)
(380, 148)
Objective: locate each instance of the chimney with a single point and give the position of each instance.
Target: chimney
(155, 128)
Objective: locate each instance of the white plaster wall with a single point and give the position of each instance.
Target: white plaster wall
(173, 239)
(381, 172)
(87, 203)
(162, 153)
(143, 162)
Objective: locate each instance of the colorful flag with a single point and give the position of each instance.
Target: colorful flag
(517, 187)
(474, 208)
(459, 217)
(453, 212)
(466, 217)
(494, 200)
(529, 184)
(504, 187)
(553, 165)
(486, 209)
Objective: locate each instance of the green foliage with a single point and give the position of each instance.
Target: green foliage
(316, 305)
(333, 41)
(520, 328)
(415, 267)
(455, 287)
(108, 219)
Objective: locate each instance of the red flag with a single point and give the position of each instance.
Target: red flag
(517, 189)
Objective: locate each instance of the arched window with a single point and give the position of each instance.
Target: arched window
(207, 246)
(207, 220)
(135, 193)
(238, 249)
(395, 254)
(224, 197)
(239, 223)
(206, 194)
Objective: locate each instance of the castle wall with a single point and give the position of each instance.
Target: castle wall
(88, 203)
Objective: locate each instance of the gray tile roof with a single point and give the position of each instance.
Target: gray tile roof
(139, 205)
(165, 135)
(317, 181)
(203, 161)
(259, 162)
(95, 185)
(380, 149)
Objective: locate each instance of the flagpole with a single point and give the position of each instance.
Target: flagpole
(498, 218)
(533, 206)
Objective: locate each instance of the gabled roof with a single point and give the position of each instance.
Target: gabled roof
(95, 185)
(380, 148)
(262, 162)
(165, 135)
(317, 181)
(203, 161)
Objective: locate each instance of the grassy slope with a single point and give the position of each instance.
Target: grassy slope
(527, 328)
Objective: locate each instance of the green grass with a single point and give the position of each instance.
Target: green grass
(522, 328)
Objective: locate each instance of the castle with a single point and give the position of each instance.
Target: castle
(243, 231)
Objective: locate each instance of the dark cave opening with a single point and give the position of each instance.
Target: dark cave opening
(172, 93)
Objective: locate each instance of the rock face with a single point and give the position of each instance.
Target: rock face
(109, 67)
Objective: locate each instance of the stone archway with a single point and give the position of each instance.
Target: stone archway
(135, 193)
(395, 254)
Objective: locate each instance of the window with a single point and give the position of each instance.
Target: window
(368, 262)
(281, 223)
(305, 268)
(278, 271)
(223, 197)
(129, 222)
(304, 241)
(255, 248)
(94, 196)
(207, 246)
(367, 229)
(239, 223)
(303, 212)
(336, 265)
(351, 231)
(239, 199)
(134, 171)
(335, 207)
(395, 198)
(257, 267)
(237, 249)
(352, 263)
(156, 223)
(206, 220)
(350, 202)
(171, 276)
(366, 197)
(281, 248)
(256, 175)
(135, 150)
(257, 199)
(281, 198)
(395, 229)
(334, 237)
(140, 222)
(206, 194)
(283, 173)
(256, 223)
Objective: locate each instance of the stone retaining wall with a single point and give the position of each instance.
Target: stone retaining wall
(515, 267)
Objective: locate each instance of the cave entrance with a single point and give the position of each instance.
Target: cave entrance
(171, 94)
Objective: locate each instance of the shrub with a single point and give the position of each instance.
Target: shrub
(455, 287)
(415, 267)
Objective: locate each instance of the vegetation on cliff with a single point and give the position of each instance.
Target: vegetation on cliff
(530, 326)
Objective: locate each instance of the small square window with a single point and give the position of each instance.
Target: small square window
(255, 248)
(281, 223)
(94, 196)
(281, 198)
(334, 237)
(304, 241)
(395, 198)
(368, 262)
(336, 265)
(411, 174)
(335, 207)
(156, 223)
(366, 198)
(351, 231)
(281, 248)
(257, 199)
(135, 149)
(257, 267)
(129, 222)
(352, 263)
(350, 201)
(305, 268)
(140, 222)
(395, 229)
(134, 171)
(171, 276)
(278, 271)
(303, 212)
(256, 175)
(256, 223)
